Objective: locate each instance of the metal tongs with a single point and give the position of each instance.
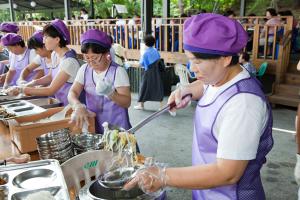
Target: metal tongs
(155, 114)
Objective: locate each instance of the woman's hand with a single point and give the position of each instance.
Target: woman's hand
(150, 179)
(13, 91)
(105, 88)
(80, 115)
(24, 158)
(177, 97)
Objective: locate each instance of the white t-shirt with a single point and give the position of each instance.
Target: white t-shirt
(121, 79)
(84, 16)
(13, 58)
(38, 60)
(240, 123)
(68, 65)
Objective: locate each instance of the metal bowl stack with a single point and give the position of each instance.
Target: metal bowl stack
(86, 142)
(55, 145)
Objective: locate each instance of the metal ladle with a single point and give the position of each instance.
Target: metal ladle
(107, 180)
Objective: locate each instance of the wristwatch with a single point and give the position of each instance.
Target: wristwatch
(2, 162)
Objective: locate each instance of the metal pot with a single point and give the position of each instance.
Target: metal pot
(94, 191)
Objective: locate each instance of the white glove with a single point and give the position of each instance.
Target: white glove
(21, 82)
(80, 115)
(150, 179)
(5, 87)
(104, 87)
(297, 170)
(14, 91)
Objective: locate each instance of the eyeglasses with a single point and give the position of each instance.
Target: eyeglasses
(93, 59)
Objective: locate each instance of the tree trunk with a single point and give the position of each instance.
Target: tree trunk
(181, 6)
(274, 4)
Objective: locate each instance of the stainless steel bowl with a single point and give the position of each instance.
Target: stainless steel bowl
(87, 141)
(97, 191)
(117, 178)
(55, 145)
(55, 135)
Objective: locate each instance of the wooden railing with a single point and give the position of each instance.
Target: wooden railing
(264, 46)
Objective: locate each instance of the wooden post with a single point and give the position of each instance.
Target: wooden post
(11, 10)
(67, 9)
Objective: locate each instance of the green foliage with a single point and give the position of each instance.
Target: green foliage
(103, 7)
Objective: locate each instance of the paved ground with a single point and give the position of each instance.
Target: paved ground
(169, 139)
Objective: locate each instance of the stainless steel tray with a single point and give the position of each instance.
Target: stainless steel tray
(46, 102)
(6, 98)
(38, 176)
(21, 107)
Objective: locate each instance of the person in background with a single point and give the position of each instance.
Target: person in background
(120, 21)
(152, 86)
(64, 64)
(273, 20)
(117, 52)
(84, 14)
(43, 60)
(244, 61)
(106, 85)
(232, 121)
(21, 57)
(5, 28)
(229, 14)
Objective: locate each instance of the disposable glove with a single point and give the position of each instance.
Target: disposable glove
(104, 88)
(21, 82)
(151, 179)
(80, 115)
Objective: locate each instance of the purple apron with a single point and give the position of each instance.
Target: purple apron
(44, 66)
(62, 93)
(105, 109)
(19, 65)
(2, 68)
(205, 146)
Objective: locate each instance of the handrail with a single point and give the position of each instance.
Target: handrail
(178, 20)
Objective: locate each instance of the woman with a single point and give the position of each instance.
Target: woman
(5, 28)
(233, 121)
(273, 20)
(64, 63)
(244, 60)
(152, 86)
(105, 83)
(21, 57)
(42, 60)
